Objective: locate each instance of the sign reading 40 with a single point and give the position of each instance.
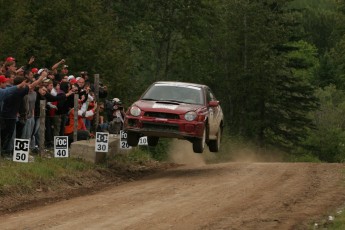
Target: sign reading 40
(60, 146)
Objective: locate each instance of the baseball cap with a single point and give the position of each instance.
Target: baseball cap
(34, 70)
(3, 79)
(40, 70)
(9, 59)
(70, 77)
(65, 66)
(116, 99)
(73, 81)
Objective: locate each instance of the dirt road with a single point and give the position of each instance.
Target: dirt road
(219, 196)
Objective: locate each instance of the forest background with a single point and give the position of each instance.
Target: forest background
(277, 66)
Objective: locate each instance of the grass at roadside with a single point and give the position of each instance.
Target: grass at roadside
(331, 222)
(26, 178)
(338, 223)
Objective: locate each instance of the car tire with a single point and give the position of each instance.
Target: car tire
(132, 139)
(152, 141)
(199, 143)
(214, 145)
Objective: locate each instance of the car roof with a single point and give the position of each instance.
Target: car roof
(179, 83)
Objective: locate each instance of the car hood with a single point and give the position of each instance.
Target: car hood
(166, 106)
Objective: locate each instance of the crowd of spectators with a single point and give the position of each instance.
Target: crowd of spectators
(23, 88)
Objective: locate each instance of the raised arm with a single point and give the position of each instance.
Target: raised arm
(56, 65)
(43, 75)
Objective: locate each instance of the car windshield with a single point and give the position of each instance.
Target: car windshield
(175, 93)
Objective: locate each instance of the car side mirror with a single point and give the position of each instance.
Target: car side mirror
(213, 103)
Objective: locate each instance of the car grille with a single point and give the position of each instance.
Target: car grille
(163, 127)
(162, 115)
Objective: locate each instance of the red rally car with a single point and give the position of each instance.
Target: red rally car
(182, 110)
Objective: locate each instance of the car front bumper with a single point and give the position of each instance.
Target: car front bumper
(172, 128)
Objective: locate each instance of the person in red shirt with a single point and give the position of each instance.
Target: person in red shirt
(82, 132)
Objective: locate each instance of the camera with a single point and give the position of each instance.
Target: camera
(111, 106)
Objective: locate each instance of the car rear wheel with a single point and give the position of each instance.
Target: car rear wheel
(152, 141)
(199, 143)
(132, 139)
(214, 145)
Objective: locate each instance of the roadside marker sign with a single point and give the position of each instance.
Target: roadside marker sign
(142, 140)
(21, 150)
(102, 142)
(60, 146)
(123, 140)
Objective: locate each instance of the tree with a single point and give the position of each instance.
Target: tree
(269, 101)
(327, 141)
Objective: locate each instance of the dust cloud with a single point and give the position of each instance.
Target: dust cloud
(181, 152)
(255, 155)
(241, 151)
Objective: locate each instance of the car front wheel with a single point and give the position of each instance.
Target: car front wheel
(152, 141)
(214, 145)
(199, 143)
(132, 139)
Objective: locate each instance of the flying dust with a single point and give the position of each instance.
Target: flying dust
(181, 152)
(241, 151)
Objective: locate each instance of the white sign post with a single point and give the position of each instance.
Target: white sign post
(102, 142)
(21, 150)
(60, 146)
(123, 140)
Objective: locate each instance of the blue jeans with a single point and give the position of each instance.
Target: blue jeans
(35, 133)
(28, 128)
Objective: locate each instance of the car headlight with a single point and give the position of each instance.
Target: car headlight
(190, 116)
(135, 111)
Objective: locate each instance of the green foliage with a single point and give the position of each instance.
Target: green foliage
(319, 21)
(338, 60)
(326, 74)
(303, 60)
(266, 97)
(327, 141)
(303, 157)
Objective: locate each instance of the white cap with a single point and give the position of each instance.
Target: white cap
(40, 71)
(70, 77)
(116, 99)
(78, 78)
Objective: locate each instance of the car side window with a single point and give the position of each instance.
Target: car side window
(209, 96)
